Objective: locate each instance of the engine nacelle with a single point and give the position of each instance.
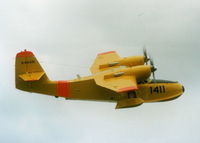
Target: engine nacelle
(127, 61)
(140, 72)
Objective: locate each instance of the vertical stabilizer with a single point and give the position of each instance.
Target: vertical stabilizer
(30, 76)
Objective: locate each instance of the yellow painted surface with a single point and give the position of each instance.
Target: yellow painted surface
(31, 76)
(102, 85)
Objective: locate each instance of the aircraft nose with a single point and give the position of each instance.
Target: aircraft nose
(183, 89)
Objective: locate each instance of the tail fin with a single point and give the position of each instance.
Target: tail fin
(28, 71)
(29, 76)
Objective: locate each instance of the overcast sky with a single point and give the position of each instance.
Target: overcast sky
(66, 36)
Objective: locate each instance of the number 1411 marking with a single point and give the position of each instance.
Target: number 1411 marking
(157, 89)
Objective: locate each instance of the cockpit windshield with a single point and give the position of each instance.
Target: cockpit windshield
(161, 81)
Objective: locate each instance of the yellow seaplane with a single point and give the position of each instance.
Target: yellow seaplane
(125, 81)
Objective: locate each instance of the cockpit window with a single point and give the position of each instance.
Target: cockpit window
(162, 81)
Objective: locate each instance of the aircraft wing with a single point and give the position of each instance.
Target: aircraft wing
(103, 58)
(124, 83)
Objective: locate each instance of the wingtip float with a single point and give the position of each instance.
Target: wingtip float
(122, 80)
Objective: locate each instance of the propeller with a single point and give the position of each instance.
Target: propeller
(146, 58)
(150, 59)
(153, 69)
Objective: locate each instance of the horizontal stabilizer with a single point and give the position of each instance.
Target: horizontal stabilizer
(31, 76)
(133, 102)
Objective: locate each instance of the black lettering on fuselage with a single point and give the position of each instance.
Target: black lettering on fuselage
(157, 89)
(27, 62)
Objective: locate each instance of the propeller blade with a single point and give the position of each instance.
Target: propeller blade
(154, 77)
(146, 59)
(153, 69)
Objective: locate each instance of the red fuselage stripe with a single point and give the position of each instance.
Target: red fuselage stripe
(63, 89)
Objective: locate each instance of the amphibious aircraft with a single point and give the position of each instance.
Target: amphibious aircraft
(125, 81)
